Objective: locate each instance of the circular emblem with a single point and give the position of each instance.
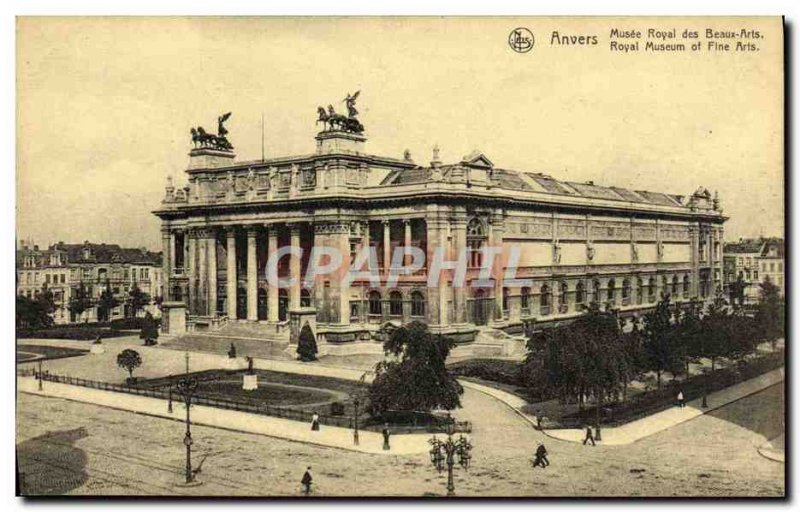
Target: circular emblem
(521, 40)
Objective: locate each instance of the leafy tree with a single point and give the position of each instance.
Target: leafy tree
(770, 313)
(307, 344)
(736, 290)
(80, 301)
(633, 362)
(717, 331)
(32, 313)
(46, 300)
(416, 379)
(659, 351)
(689, 334)
(149, 332)
(106, 302)
(744, 335)
(129, 359)
(137, 300)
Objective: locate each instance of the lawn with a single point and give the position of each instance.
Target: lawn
(27, 353)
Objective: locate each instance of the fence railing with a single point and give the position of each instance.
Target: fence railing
(164, 393)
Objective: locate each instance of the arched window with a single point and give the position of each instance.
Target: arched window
(664, 286)
(626, 292)
(417, 304)
(579, 293)
(305, 298)
(506, 294)
(563, 294)
(476, 238)
(596, 292)
(525, 299)
(651, 290)
(375, 303)
(545, 299)
(674, 286)
(611, 291)
(686, 286)
(396, 303)
(639, 290)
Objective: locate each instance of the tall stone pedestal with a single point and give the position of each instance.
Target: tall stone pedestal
(173, 318)
(297, 319)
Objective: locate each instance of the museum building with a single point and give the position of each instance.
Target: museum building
(578, 242)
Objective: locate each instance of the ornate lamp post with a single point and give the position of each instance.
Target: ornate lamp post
(444, 453)
(186, 388)
(41, 377)
(356, 403)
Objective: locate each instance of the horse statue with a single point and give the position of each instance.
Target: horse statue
(334, 121)
(200, 138)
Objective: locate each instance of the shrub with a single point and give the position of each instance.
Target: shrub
(504, 372)
(337, 409)
(307, 344)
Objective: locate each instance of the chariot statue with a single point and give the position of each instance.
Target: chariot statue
(334, 121)
(203, 139)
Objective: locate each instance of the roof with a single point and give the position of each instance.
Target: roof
(98, 253)
(755, 245)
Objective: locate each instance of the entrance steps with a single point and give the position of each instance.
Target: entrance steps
(254, 340)
(492, 343)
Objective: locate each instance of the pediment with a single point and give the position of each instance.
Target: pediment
(477, 159)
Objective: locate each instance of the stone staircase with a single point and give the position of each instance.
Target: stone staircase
(255, 340)
(492, 343)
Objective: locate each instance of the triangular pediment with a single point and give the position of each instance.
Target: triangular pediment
(477, 159)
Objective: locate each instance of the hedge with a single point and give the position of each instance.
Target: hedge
(504, 372)
(70, 333)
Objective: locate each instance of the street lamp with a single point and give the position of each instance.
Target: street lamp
(356, 403)
(186, 387)
(40, 375)
(445, 452)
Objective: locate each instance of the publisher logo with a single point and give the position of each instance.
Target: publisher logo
(521, 40)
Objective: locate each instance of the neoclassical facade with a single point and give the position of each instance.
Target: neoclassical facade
(576, 242)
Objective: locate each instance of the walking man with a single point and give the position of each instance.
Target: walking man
(386, 434)
(681, 401)
(539, 419)
(589, 436)
(306, 481)
(541, 456)
(315, 421)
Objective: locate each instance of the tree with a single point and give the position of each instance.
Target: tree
(770, 312)
(129, 359)
(416, 379)
(106, 303)
(32, 313)
(149, 332)
(137, 300)
(46, 300)
(716, 331)
(307, 344)
(79, 301)
(659, 352)
(633, 363)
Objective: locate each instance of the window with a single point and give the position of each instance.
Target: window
(506, 294)
(597, 290)
(396, 303)
(611, 291)
(375, 303)
(579, 293)
(675, 286)
(664, 286)
(626, 292)
(525, 298)
(686, 287)
(353, 252)
(563, 295)
(780, 267)
(417, 304)
(545, 299)
(476, 238)
(305, 298)
(47, 279)
(772, 267)
(651, 290)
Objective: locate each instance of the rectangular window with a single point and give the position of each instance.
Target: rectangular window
(780, 267)
(772, 267)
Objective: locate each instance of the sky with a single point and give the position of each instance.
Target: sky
(104, 108)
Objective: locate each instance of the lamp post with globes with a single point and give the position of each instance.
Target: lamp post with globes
(186, 387)
(356, 403)
(443, 453)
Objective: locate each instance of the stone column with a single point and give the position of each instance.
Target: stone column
(365, 240)
(387, 246)
(252, 276)
(202, 271)
(231, 271)
(272, 291)
(212, 272)
(436, 311)
(167, 246)
(406, 239)
(498, 267)
(294, 268)
(191, 263)
(694, 237)
(459, 289)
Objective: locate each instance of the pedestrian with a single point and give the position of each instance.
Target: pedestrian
(306, 481)
(386, 436)
(589, 436)
(681, 401)
(315, 421)
(539, 419)
(541, 456)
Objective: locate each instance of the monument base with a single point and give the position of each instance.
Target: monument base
(250, 382)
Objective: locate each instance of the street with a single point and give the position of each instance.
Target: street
(75, 448)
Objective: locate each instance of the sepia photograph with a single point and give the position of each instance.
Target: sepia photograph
(317, 257)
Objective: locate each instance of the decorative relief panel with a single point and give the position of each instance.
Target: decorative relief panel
(644, 232)
(611, 231)
(675, 233)
(308, 178)
(571, 230)
(331, 228)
